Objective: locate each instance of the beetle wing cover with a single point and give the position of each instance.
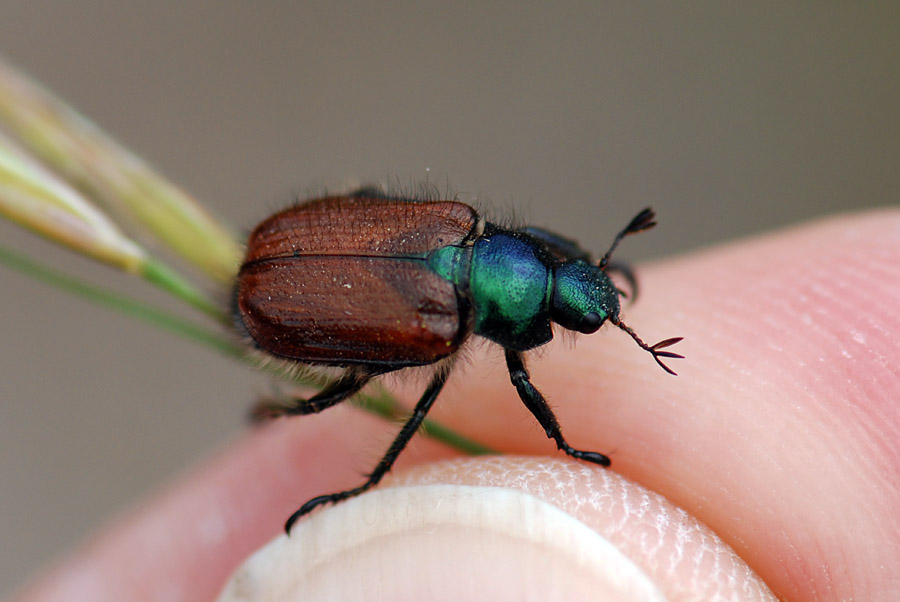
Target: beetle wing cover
(361, 226)
(344, 280)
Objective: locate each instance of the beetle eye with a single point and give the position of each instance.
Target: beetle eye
(590, 323)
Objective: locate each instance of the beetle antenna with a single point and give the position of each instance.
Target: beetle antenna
(654, 350)
(642, 221)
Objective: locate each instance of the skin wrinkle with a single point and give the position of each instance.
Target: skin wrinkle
(839, 411)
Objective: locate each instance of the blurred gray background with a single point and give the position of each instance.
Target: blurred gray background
(728, 119)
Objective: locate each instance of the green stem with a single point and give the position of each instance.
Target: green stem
(383, 404)
(166, 278)
(121, 303)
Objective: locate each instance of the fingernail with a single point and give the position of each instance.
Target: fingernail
(441, 542)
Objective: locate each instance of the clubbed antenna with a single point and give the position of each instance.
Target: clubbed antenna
(654, 350)
(642, 221)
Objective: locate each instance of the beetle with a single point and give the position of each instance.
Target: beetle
(374, 283)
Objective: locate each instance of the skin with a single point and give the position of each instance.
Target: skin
(781, 432)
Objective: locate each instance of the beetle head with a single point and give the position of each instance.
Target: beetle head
(583, 297)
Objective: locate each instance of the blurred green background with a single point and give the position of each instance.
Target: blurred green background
(729, 119)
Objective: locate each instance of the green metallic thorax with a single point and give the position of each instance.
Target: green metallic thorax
(508, 281)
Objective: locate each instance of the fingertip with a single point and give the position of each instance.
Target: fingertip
(504, 528)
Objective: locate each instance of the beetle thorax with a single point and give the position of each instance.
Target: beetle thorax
(510, 285)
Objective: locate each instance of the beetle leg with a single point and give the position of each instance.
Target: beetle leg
(617, 267)
(349, 383)
(384, 466)
(537, 405)
(564, 248)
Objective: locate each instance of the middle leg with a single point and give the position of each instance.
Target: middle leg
(384, 466)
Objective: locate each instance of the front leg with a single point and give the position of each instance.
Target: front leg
(537, 405)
